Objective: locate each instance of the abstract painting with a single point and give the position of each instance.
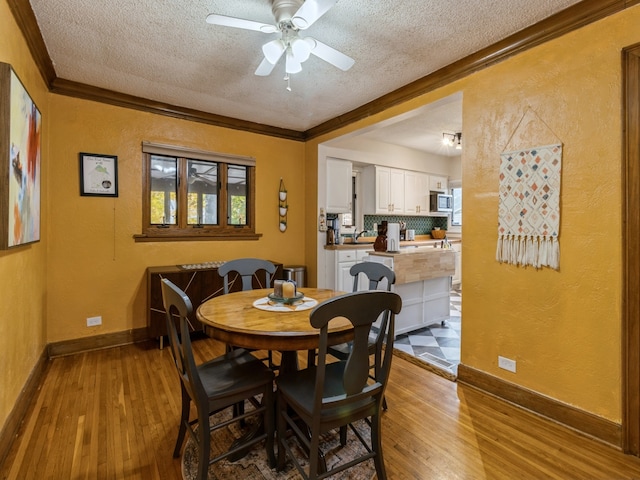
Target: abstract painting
(20, 147)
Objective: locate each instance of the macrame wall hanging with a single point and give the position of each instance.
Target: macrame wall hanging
(529, 205)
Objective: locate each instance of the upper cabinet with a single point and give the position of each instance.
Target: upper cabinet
(399, 192)
(387, 195)
(416, 193)
(438, 184)
(339, 186)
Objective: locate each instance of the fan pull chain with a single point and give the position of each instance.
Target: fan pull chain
(287, 78)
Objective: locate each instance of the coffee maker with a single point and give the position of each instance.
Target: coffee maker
(333, 231)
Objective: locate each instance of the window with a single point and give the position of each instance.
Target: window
(191, 194)
(456, 216)
(349, 219)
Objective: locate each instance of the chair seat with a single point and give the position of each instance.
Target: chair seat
(228, 377)
(295, 386)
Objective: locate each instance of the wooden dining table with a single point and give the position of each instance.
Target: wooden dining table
(235, 320)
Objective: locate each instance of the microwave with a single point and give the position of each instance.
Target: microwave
(440, 202)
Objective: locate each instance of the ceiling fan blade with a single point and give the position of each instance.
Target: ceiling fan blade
(215, 19)
(310, 11)
(265, 68)
(204, 179)
(330, 54)
(273, 50)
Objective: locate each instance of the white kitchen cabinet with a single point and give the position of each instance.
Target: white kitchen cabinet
(416, 193)
(388, 194)
(438, 183)
(339, 186)
(457, 276)
(346, 260)
(339, 263)
(396, 190)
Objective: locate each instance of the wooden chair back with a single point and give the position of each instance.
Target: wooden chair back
(246, 269)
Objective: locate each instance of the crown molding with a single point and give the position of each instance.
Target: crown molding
(563, 22)
(69, 88)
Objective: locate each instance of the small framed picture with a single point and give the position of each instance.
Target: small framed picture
(98, 175)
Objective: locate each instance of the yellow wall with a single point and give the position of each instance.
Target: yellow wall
(562, 327)
(23, 269)
(95, 267)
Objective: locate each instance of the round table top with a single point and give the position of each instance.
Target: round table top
(234, 320)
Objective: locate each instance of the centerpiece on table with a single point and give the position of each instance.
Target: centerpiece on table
(285, 291)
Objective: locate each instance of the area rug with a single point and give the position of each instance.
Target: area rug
(254, 466)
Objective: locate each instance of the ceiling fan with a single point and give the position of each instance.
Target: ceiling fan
(291, 16)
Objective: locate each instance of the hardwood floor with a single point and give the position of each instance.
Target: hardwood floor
(114, 414)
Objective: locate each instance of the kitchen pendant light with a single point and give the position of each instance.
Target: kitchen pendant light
(452, 140)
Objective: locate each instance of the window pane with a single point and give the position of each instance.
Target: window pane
(456, 216)
(202, 193)
(237, 195)
(163, 190)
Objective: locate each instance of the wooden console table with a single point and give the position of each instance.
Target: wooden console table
(200, 283)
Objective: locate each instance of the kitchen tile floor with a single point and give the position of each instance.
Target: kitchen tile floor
(437, 344)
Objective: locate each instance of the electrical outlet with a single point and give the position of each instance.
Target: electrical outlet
(94, 321)
(507, 364)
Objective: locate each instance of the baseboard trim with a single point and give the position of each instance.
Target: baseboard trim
(584, 422)
(97, 342)
(22, 405)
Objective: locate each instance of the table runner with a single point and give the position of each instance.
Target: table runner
(529, 207)
(265, 303)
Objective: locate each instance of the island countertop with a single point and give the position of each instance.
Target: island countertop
(420, 263)
(367, 243)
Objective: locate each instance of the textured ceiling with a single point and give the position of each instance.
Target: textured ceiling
(164, 50)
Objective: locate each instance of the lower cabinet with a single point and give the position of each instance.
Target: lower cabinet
(423, 303)
(457, 276)
(338, 275)
(200, 284)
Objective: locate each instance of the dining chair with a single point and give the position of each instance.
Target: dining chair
(214, 386)
(328, 396)
(374, 273)
(246, 269)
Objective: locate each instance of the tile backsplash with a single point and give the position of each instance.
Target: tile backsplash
(422, 225)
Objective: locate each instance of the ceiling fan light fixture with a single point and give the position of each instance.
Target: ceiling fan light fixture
(291, 16)
(301, 50)
(292, 65)
(273, 50)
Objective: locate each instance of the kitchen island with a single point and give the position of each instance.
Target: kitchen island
(423, 280)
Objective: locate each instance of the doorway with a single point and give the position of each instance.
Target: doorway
(631, 252)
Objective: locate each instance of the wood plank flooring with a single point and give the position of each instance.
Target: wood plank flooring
(113, 414)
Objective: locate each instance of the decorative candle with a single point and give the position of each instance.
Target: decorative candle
(289, 289)
(277, 288)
